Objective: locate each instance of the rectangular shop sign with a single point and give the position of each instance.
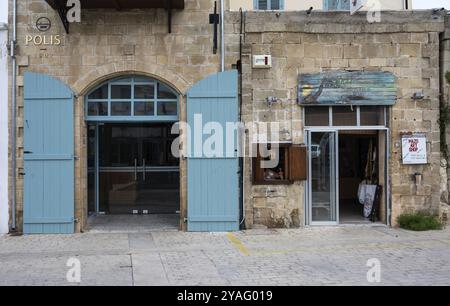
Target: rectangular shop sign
(347, 88)
(414, 149)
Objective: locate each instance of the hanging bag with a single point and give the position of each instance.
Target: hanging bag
(369, 199)
(362, 191)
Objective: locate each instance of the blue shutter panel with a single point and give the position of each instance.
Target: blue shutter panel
(345, 5)
(213, 181)
(282, 5)
(48, 156)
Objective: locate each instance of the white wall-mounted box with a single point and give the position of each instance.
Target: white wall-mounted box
(262, 61)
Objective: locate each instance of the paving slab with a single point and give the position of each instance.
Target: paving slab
(309, 256)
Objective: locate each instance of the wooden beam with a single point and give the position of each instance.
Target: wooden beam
(117, 5)
(169, 14)
(122, 5)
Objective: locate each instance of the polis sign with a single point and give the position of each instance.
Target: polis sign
(43, 24)
(43, 40)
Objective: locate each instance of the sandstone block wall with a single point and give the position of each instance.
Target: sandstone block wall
(109, 43)
(405, 43)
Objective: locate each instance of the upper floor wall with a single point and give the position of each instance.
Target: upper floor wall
(3, 11)
(302, 5)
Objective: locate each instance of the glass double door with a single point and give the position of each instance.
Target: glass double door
(136, 172)
(322, 195)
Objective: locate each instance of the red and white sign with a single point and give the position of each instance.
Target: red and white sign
(414, 149)
(356, 5)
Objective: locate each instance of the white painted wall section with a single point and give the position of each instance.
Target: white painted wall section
(4, 210)
(302, 5)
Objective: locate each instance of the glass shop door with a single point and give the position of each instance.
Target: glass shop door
(322, 192)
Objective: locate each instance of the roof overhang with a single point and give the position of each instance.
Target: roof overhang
(121, 5)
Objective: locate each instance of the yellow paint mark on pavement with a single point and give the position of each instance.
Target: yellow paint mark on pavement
(238, 244)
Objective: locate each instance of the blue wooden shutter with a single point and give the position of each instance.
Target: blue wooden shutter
(344, 5)
(213, 181)
(48, 156)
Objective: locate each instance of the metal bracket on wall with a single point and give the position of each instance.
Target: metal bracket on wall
(169, 14)
(215, 20)
(62, 12)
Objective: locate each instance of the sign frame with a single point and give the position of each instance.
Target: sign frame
(342, 87)
(414, 149)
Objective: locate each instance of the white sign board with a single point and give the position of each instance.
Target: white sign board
(414, 149)
(356, 5)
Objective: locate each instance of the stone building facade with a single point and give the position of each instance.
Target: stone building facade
(98, 49)
(109, 44)
(405, 43)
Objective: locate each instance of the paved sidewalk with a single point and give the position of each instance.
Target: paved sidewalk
(312, 256)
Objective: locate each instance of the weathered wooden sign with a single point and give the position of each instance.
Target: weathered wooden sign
(349, 88)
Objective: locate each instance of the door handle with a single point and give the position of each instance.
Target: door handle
(143, 173)
(135, 169)
(27, 152)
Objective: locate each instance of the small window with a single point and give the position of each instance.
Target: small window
(120, 91)
(344, 116)
(268, 5)
(144, 92)
(98, 108)
(165, 92)
(144, 109)
(336, 5)
(167, 108)
(132, 97)
(279, 164)
(372, 115)
(99, 93)
(317, 116)
(120, 108)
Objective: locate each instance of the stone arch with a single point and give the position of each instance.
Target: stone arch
(110, 71)
(88, 82)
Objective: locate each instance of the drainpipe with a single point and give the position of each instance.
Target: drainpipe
(244, 134)
(222, 36)
(13, 115)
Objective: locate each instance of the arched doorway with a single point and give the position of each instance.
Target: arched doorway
(131, 167)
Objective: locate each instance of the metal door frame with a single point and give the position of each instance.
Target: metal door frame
(308, 192)
(137, 170)
(308, 187)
